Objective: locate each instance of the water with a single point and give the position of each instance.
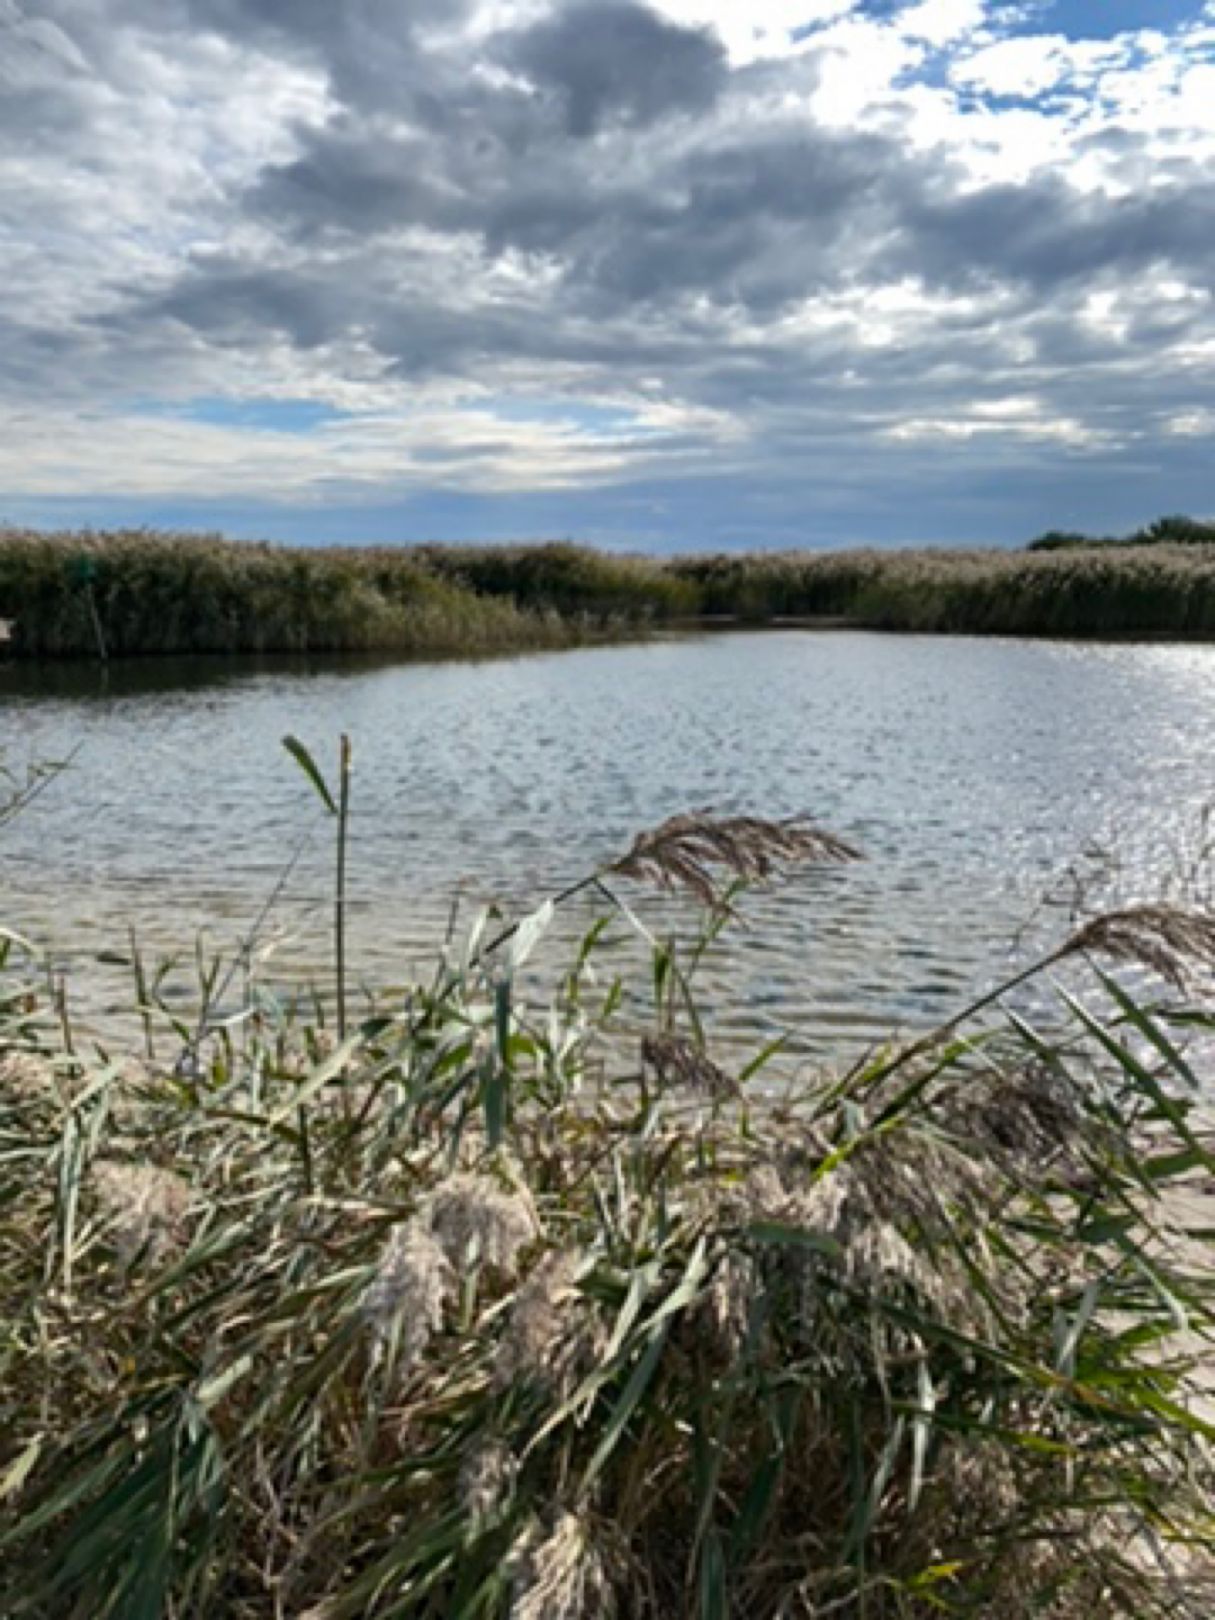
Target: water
(980, 777)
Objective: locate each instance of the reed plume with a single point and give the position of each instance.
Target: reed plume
(678, 1061)
(1172, 942)
(688, 851)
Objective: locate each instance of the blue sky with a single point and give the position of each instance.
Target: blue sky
(685, 274)
(1103, 19)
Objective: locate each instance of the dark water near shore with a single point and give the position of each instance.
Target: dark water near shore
(980, 776)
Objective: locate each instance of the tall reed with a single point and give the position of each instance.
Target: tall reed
(137, 592)
(499, 1310)
(86, 595)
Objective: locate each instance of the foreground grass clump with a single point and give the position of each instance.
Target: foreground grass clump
(491, 1311)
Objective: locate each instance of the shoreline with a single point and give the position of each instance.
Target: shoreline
(108, 597)
(625, 636)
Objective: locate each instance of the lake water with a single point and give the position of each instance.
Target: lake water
(982, 778)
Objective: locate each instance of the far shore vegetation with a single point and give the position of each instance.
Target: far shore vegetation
(92, 594)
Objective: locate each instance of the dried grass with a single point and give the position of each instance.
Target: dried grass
(1174, 943)
(693, 850)
(504, 1342)
(682, 1062)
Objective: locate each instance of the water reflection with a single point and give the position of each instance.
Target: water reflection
(974, 773)
(82, 679)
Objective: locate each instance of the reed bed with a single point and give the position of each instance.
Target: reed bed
(1150, 590)
(90, 595)
(499, 1310)
(570, 580)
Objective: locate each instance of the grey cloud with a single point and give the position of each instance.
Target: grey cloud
(597, 62)
(734, 225)
(496, 158)
(618, 207)
(80, 38)
(320, 26)
(34, 44)
(29, 117)
(755, 223)
(232, 301)
(47, 86)
(1044, 233)
(753, 215)
(29, 354)
(371, 50)
(608, 61)
(347, 183)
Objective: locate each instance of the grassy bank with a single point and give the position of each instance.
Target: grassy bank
(1153, 589)
(496, 1310)
(1161, 590)
(85, 595)
(82, 595)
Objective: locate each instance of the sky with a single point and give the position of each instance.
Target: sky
(692, 274)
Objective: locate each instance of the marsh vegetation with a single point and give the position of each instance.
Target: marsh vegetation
(93, 594)
(495, 1308)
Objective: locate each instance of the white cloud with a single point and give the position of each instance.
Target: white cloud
(1192, 425)
(1015, 67)
(1194, 105)
(1014, 425)
(477, 447)
(859, 64)
(942, 22)
(755, 29)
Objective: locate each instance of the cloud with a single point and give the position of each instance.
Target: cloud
(940, 22)
(593, 245)
(612, 61)
(1015, 67)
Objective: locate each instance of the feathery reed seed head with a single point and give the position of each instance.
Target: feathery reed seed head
(474, 1218)
(686, 851)
(487, 1480)
(728, 1302)
(681, 1062)
(412, 1287)
(559, 1575)
(26, 1076)
(1172, 942)
(553, 1333)
(1027, 1115)
(143, 1206)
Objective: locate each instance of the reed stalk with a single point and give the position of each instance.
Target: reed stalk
(339, 892)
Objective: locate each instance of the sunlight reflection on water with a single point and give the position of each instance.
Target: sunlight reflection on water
(977, 775)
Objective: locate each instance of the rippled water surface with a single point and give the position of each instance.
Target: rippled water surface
(977, 775)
